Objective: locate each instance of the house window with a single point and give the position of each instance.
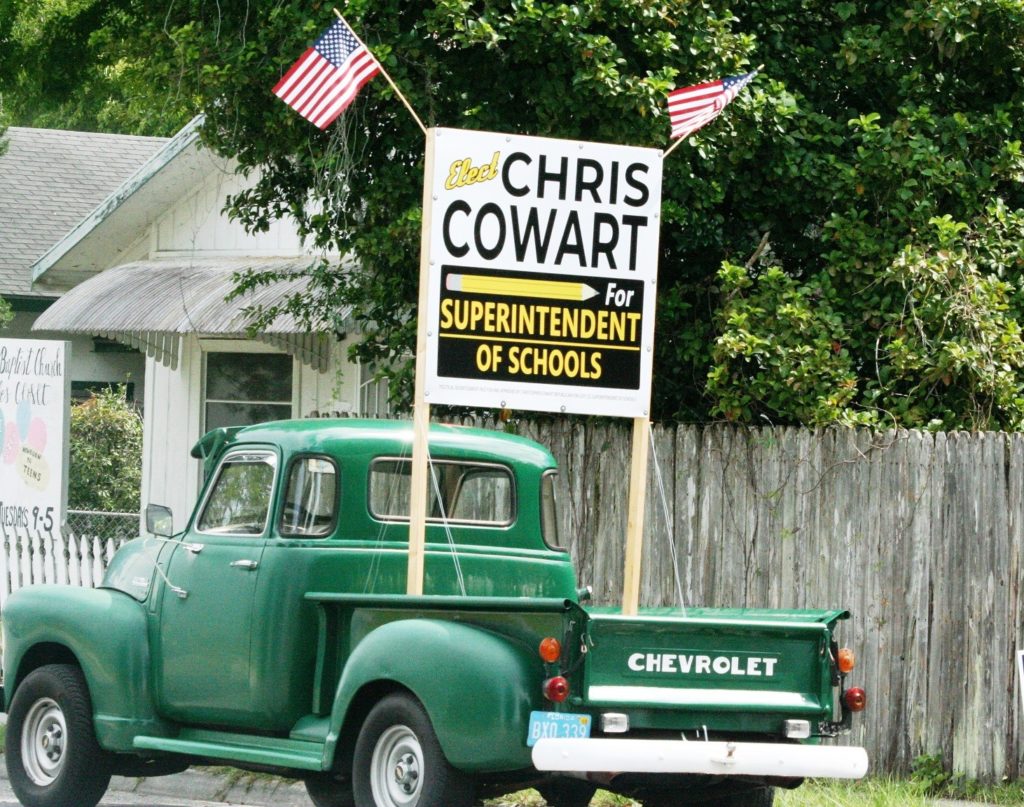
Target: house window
(247, 388)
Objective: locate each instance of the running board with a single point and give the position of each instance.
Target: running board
(220, 745)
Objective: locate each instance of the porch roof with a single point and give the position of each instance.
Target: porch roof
(151, 304)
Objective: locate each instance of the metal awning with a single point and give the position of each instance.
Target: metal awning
(151, 304)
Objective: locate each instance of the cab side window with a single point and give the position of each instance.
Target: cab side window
(239, 499)
(311, 498)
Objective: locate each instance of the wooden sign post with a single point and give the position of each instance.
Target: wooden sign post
(635, 517)
(421, 409)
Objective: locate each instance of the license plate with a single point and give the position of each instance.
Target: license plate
(557, 725)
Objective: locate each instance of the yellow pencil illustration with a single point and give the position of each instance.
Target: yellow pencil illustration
(516, 287)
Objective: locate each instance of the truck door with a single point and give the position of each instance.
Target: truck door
(203, 631)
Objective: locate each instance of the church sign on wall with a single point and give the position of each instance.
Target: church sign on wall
(34, 395)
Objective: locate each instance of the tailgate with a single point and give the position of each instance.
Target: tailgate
(718, 661)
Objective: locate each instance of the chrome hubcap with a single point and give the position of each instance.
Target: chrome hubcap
(43, 741)
(395, 775)
(407, 773)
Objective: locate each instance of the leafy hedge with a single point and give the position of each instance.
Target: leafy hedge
(106, 454)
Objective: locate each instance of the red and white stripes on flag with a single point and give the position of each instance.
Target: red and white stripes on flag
(326, 78)
(691, 107)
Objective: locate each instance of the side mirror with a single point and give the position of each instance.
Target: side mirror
(159, 520)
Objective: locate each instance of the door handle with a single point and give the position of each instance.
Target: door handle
(245, 564)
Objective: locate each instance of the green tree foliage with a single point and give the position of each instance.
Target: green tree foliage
(106, 454)
(904, 162)
(90, 65)
(879, 152)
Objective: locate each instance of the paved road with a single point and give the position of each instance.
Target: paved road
(193, 788)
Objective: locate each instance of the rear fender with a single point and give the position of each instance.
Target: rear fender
(478, 688)
(105, 632)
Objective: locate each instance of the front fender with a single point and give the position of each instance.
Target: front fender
(478, 687)
(106, 633)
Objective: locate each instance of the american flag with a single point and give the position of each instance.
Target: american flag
(326, 78)
(690, 108)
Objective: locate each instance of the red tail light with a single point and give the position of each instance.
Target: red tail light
(855, 699)
(556, 689)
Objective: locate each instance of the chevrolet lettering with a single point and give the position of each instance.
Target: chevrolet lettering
(692, 664)
(272, 633)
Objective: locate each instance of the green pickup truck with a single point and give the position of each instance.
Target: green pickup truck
(273, 634)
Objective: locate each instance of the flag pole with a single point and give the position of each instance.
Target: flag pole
(673, 147)
(384, 72)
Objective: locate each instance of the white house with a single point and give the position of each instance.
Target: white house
(150, 267)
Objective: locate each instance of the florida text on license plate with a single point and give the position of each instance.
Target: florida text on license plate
(557, 725)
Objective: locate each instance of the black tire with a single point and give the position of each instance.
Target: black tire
(53, 759)
(399, 763)
(327, 791)
(567, 792)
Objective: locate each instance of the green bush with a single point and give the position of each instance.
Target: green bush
(6, 315)
(106, 454)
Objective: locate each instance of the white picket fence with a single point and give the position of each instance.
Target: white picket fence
(29, 558)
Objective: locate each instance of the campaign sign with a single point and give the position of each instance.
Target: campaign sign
(543, 260)
(34, 393)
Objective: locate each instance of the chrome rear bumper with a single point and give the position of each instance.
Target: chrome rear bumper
(716, 758)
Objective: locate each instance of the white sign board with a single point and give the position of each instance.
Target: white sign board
(34, 399)
(543, 263)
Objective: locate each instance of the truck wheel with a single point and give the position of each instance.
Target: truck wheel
(567, 792)
(53, 759)
(326, 791)
(399, 763)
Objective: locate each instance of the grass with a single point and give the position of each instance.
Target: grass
(884, 792)
(875, 792)
(867, 793)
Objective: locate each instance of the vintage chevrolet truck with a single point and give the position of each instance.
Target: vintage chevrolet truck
(273, 634)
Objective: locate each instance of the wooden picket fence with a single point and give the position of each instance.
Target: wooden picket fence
(28, 558)
(920, 535)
